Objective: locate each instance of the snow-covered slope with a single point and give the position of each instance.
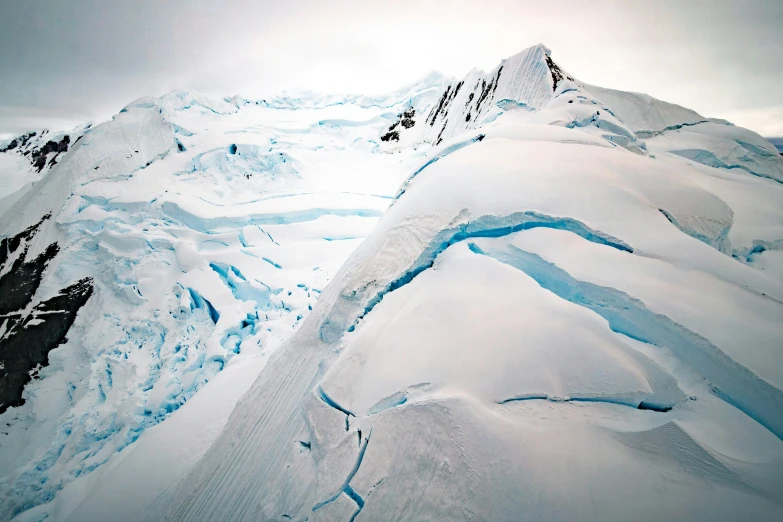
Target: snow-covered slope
(190, 236)
(570, 309)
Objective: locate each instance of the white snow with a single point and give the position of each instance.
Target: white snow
(643, 113)
(15, 173)
(209, 233)
(561, 307)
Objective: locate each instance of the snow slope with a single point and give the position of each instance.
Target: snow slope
(545, 300)
(204, 231)
(547, 323)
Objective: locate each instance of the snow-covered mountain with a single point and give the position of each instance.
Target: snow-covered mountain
(508, 296)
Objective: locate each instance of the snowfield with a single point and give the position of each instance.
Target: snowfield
(510, 296)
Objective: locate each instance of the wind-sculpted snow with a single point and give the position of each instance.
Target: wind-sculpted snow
(450, 358)
(683, 132)
(419, 93)
(437, 304)
(643, 113)
(630, 317)
(763, 165)
(445, 151)
(132, 141)
(489, 226)
(580, 111)
(207, 224)
(701, 215)
(203, 251)
(759, 247)
(276, 170)
(183, 100)
(714, 232)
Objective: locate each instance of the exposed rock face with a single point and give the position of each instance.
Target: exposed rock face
(557, 74)
(28, 334)
(20, 142)
(38, 151)
(39, 156)
(404, 121)
(21, 276)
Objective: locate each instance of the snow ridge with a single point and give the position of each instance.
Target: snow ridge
(411, 305)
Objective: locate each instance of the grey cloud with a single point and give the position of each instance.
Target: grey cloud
(84, 59)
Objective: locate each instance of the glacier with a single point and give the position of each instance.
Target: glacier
(511, 295)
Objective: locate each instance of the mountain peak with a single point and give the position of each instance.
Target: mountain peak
(528, 78)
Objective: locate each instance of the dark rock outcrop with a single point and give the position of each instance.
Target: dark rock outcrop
(404, 121)
(38, 154)
(557, 73)
(27, 344)
(27, 335)
(21, 141)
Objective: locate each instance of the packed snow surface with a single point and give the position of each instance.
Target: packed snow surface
(512, 296)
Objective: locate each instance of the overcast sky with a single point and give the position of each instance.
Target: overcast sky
(63, 62)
